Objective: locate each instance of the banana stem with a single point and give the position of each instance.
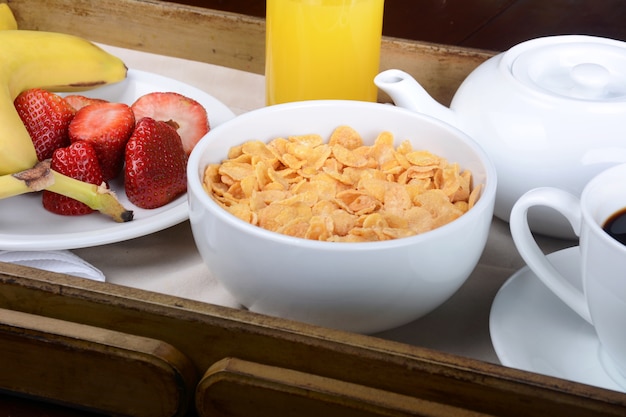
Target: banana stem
(41, 177)
(11, 186)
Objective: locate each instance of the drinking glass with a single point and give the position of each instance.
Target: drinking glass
(322, 49)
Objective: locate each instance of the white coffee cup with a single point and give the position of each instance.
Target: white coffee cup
(603, 258)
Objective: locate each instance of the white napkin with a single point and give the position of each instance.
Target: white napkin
(61, 261)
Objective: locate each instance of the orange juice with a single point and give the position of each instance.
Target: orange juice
(322, 49)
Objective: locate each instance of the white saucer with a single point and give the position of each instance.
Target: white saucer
(531, 329)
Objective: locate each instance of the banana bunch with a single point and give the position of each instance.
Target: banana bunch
(57, 62)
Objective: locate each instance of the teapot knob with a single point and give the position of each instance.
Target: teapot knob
(591, 79)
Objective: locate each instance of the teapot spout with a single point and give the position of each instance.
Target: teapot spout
(406, 92)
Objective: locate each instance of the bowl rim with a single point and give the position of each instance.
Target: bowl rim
(195, 187)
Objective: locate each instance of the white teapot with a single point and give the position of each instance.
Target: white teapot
(549, 112)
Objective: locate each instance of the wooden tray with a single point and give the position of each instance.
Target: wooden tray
(202, 359)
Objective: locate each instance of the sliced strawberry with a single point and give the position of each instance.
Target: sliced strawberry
(78, 101)
(46, 117)
(186, 115)
(107, 126)
(155, 170)
(78, 160)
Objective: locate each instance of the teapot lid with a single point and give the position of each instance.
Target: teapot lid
(571, 66)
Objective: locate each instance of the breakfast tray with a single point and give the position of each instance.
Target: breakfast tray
(110, 349)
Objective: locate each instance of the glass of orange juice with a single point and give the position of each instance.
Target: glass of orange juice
(322, 49)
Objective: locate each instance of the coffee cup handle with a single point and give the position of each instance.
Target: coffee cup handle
(569, 206)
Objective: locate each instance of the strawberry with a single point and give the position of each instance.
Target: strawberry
(46, 117)
(107, 126)
(78, 160)
(155, 170)
(78, 101)
(186, 115)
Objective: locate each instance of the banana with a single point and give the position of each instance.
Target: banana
(41, 177)
(54, 61)
(7, 20)
(57, 62)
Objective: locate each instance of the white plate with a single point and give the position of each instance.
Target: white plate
(533, 330)
(26, 225)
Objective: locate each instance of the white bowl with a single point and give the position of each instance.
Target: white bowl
(358, 287)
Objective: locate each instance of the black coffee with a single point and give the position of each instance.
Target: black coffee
(616, 226)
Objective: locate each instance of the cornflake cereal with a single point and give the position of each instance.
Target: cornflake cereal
(340, 191)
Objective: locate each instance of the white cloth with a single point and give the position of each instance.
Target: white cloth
(61, 261)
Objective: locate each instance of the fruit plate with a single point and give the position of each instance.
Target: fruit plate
(26, 225)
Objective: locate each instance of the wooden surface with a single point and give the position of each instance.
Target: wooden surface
(528, 19)
(208, 334)
(277, 391)
(97, 369)
(485, 24)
